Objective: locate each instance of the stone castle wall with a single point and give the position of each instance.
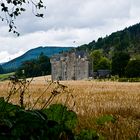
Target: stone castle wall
(70, 66)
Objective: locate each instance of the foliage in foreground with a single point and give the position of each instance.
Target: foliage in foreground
(53, 123)
(11, 9)
(17, 123)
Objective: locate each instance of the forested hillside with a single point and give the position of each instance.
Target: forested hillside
(118, 52)
(33, 54)
(127, 40)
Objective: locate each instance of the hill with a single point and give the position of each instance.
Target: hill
(127, 40)
(33, 54)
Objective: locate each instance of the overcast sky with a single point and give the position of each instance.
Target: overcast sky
(66, 22)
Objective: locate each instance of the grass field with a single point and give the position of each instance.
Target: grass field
(5, 76)
(90, 100)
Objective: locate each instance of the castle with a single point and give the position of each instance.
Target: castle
(71, 66)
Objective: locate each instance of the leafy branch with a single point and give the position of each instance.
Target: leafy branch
(11, 9)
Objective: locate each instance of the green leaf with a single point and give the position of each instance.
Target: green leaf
(29, 123)
(7, 109)
(61, 114)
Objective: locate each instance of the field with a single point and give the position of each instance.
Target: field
(90, 100)
(5, 76)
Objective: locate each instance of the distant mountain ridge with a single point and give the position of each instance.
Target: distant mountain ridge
(33, 54)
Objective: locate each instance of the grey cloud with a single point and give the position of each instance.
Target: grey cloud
(69, 20)
(76, 14)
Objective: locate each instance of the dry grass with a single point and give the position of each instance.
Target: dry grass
(90, 99)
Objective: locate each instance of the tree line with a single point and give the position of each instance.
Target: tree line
(121, 64)
(35, 67)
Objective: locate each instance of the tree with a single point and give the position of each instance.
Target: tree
(1, 70)
(132, 70)
(119, 62)
(96, 56)
(44, 64)
(35, 67)
(104, 64)
(28, 69)
(11, 9)
(99, 61)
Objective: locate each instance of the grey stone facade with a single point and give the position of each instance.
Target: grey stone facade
(70, 66)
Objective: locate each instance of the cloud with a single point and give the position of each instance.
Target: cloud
(67, 21)
(5, 56)
(75, 14)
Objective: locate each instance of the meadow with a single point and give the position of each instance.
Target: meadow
(5, 76)
(90, 100)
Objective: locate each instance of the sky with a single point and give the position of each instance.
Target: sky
(67, 23)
